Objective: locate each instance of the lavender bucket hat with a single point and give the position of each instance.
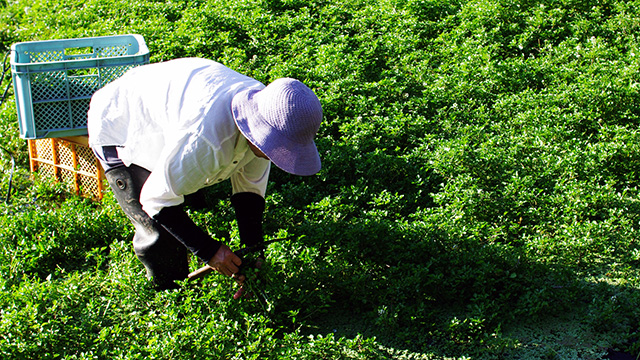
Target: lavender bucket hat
(282, 120)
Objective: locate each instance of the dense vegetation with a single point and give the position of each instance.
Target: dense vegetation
(479, 196)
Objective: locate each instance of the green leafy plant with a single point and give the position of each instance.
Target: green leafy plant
(479, 189)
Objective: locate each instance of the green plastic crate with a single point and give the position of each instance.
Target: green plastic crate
(55, 79)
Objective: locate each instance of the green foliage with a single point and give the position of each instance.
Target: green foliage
(480, 177)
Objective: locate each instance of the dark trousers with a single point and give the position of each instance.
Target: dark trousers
(164, 257)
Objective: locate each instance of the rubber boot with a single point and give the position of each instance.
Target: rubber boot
(164, 257)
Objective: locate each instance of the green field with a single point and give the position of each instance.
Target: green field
(478, 200)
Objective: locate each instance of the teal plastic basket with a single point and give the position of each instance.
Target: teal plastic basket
(55, 79)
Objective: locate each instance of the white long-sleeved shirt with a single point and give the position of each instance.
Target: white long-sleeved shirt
(174, 119)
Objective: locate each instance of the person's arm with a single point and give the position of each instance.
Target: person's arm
(178, 223)
(214, 253)
(249, 188)
(249, 208)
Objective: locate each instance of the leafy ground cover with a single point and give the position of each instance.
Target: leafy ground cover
(479, 196)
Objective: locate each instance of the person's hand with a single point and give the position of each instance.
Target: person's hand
(242, 291)
(227, 263)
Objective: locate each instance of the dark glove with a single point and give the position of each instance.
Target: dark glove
(249, 209)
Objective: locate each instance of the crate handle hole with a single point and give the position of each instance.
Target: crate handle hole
(82, 72)
(86, 50)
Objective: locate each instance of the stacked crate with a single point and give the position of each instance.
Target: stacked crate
(53, 82)
(69, 160)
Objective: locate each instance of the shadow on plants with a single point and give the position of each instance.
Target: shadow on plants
(381, 259)
(413, 287)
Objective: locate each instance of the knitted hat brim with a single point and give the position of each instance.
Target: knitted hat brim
(291, 156)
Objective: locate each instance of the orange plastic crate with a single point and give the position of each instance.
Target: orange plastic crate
(68, 160)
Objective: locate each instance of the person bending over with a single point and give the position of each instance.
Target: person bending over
(166, 130)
